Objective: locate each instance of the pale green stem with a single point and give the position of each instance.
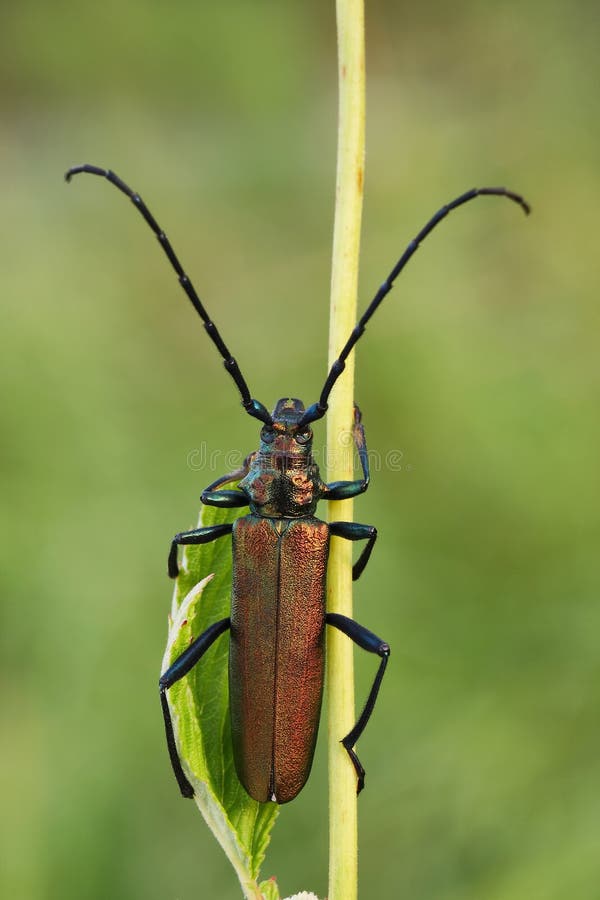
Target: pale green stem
(343, 871)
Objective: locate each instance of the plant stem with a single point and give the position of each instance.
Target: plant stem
(343, 872)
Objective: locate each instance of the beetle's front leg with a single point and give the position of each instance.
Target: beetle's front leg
(228, 499)
(196, 536)
(370, 642)
(224, 499)
(174, 673)
(352, 531)
(344, 490)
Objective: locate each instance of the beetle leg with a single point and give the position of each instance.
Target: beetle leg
(368, 641)
(344, 490)
(174, 673)
(352, 531)
(196, 536)
(224, 499)
(228, 499)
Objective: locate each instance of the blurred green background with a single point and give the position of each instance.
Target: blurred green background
(481, 369)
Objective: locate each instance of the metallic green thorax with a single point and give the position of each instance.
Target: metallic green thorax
(284, 480)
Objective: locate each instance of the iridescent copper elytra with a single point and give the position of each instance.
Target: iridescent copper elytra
(280, 551)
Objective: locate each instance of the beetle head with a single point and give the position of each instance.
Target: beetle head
(284, 437)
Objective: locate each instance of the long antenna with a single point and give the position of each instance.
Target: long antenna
(318, 410)
(252, 407)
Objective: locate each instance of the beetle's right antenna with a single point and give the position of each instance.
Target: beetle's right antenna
(318, 410)
(252, 407)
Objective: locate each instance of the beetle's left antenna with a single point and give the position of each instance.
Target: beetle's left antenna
(252, 407)
(318, 409)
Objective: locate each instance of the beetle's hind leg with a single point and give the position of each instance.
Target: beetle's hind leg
(174, 673)
(368, 641)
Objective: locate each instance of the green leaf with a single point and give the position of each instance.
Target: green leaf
(199, 707)
(269, 889)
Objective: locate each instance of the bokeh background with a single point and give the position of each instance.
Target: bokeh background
(481, 370)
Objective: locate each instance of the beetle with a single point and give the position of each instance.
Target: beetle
(280, 551)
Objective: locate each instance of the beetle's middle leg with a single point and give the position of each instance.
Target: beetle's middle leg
(174, 673)
(196, 536)
(368, 641)
(352, 531)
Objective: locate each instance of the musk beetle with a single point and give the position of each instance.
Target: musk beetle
(280, 550)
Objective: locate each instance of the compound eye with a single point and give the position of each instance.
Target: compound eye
(303, 437)
(267, 435)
